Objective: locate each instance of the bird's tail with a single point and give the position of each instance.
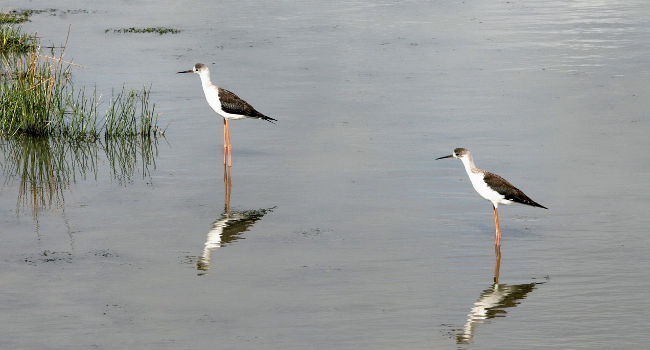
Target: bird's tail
(540, 206)
(534, 204)
(268, 119)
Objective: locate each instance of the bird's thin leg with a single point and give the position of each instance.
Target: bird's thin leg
(227, 182)
(497, 237)
(225, 140)
(229, 146)
(497, 264)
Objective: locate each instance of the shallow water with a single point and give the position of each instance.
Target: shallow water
(364, 241)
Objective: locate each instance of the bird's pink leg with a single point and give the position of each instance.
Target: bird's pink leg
(497, 237)
(229, 146)
(225, 140)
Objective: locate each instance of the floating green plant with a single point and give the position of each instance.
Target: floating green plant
(14, 17)
(159, 30)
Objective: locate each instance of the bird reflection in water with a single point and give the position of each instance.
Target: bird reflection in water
(229, 226)
(493, 302)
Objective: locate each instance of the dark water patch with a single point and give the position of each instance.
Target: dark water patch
(53, 257)
(104, 253)
(48, 256)
(316, 231)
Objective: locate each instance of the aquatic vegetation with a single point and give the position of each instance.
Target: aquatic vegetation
(14, 17)
(130, 113)
(159, 30)
(38, 98)
(52, 130)
(13, 41)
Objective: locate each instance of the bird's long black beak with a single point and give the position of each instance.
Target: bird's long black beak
(449, 156)
(187, 71)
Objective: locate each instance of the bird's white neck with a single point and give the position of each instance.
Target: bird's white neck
(205, 79)
(468, 162)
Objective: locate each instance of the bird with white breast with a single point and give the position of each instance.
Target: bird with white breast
(226, 104)
(492, 187)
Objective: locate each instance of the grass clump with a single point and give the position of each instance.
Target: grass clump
(13, 41)
(130, 113)
(14, 17)
(38, 98)
(159, 30)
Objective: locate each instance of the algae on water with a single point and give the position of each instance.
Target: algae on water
(158, 30)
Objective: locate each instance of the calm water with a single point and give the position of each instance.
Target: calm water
(337, 229)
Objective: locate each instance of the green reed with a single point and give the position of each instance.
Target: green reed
(14, 41)
(38, 98)
(130, 113)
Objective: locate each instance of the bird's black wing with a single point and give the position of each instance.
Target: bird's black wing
(509, 191)
(231, 103)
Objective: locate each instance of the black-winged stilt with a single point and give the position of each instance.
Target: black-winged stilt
(226, 104)
(492, 187)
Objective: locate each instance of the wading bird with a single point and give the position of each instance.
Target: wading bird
(226, 104)
(492, 187)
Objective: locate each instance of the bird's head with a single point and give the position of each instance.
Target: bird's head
(458, 153)
(198, 69)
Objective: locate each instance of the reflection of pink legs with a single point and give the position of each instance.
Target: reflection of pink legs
(497, 237)
(227, 183)
(497, 264)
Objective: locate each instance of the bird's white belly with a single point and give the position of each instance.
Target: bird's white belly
(485, 191)
(212, 96)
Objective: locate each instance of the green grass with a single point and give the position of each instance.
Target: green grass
(13, 41)
(159, 30)
(51, 129)
(130, 113)
(14, 17)
(37, 98)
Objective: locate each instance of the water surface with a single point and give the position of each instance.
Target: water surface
(365, 241)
